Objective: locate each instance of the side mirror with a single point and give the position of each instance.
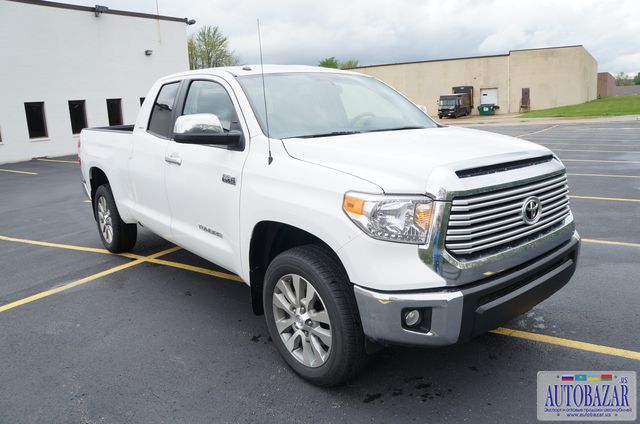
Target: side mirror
(203, 128)
(422, 108)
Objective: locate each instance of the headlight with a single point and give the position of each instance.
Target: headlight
(404, 219)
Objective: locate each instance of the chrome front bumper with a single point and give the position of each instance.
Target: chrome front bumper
(462, 312)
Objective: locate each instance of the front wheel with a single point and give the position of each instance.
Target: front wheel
(312, 315)
(117, 236)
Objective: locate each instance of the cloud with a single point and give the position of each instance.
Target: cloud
(376, 31)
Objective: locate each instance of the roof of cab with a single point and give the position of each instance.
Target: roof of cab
(238, 71)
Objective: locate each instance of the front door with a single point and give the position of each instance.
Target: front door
(203, 185)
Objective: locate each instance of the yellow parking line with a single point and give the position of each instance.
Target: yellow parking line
(198, 269)
(154, 259)
(18, 172)
(610, 199)
(604, 175)
(59, 161)
(603, 161)
(84, 280)
(572, 344)
(539, 131)
(69, 247)
(151, 259)
(613, 243)
(68, 286)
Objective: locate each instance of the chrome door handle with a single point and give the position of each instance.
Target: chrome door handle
(173, 158)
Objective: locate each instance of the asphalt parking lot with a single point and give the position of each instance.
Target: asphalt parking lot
(164, 336)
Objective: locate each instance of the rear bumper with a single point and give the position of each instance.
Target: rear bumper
(459, 313)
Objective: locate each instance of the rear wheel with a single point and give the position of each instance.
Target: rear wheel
(117, 236)
(312, 315)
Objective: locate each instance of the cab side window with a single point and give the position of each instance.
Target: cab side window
(161, 122)
(211, 97)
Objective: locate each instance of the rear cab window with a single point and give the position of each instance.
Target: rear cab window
(161, 119)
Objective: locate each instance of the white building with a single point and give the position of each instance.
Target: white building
(65, 67)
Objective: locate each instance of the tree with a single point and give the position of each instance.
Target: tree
(192, 50)
(209, 48)
(623, 79)
(349, 64)
(636, 80)
(329, 62)
(332, 62)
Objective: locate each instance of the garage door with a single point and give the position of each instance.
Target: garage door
(489, 96)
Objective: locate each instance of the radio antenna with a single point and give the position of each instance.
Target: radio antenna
(264, 96)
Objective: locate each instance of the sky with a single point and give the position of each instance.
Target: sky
(374, 32)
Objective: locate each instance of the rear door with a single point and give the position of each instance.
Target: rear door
(147, 164)
(204, 187)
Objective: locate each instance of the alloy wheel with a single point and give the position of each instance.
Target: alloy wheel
(302, 320)
(104, 220)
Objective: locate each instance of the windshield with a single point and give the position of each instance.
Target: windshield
(323, 104)
(448, 102)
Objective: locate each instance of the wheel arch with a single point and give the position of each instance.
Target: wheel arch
(268, 239)
(97, 177)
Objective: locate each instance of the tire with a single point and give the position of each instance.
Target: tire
(440, 116)
(117, 236)
(332, 351)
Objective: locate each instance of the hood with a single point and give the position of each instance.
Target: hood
(403, 161)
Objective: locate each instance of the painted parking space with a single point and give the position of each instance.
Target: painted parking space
(160, 344)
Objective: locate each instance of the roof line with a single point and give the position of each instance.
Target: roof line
(547, 48)
(93, 9)
(430, 60)
(463, 57)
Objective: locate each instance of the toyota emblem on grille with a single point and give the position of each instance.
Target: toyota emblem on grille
(531, 210)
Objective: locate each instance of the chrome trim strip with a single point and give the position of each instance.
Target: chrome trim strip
(470, 233)
(470, 217)
(562, 184)
(465, 248)
(527, 187)
(469, 230)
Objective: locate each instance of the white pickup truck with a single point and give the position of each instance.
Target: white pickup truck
(356, 220)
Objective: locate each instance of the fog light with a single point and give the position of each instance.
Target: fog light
(412, 318)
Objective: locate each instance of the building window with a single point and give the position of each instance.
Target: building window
(36, 121)
(78, 116)
(141, 100)
(114, 109)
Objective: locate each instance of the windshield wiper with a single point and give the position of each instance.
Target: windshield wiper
(329, 134)
(399, 128)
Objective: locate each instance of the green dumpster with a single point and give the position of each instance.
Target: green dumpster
(488, 109)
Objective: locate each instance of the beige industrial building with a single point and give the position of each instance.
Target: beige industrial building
(555, 76)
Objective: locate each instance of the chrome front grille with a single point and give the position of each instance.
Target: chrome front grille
(494, 220)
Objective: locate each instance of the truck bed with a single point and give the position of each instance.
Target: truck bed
(119, 128)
